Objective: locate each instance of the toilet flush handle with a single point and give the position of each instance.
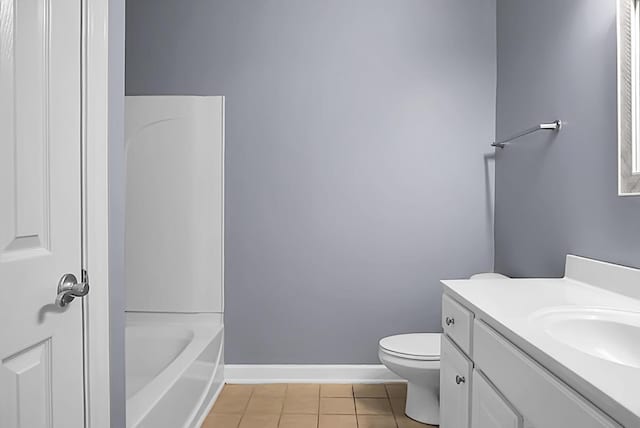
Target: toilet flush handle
(460, 379)
(449, 321)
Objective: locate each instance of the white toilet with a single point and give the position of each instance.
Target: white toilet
(416, 358)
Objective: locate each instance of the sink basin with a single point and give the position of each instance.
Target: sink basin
(608, 334)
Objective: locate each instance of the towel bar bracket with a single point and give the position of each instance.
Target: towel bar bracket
(556, 125)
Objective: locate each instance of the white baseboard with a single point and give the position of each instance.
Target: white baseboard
(308, 373)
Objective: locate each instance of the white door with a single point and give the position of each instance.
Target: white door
(489, 409)
(41, 364)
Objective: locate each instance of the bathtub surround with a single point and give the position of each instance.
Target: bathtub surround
(358, 137)
(175, 258)
(558, 59)
(175, 237)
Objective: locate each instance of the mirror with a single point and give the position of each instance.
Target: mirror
(629, 97)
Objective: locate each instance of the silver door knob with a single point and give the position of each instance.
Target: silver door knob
(69, 288)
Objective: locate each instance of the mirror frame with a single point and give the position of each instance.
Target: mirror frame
(628, 25)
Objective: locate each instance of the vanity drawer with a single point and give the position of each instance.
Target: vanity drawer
(457, 322)
(540, 397)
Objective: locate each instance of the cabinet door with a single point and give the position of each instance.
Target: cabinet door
(489, 409)
(455, 379)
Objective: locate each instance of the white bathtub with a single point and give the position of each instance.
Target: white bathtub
(174, 368)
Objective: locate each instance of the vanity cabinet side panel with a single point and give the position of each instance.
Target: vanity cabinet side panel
(542, 399)
(455, 386)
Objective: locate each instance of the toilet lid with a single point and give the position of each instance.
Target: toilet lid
(417, 346)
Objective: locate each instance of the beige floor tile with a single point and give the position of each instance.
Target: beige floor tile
(221, 421)
(298, 405)
(338, 421)
(337, 406)
(370, 391)
(235, 390)
(398, 405)
(373, 406)
(396, 390)
(405, 422)
(270, 390)
(298, 421)
(265, 405)
(301, 405)
(303, 389)
(231, 404)
(259, 421)
(336, 390)
(370, 421)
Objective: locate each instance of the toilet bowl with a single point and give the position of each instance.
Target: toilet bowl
(416, 358)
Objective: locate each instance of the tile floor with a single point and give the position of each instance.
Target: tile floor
(311, 406)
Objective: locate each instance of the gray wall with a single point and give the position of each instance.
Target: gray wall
(356, 170)
(116, 209)
(557, 59)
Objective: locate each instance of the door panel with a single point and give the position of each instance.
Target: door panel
(30, 376)
(24, 117)
(41, 383)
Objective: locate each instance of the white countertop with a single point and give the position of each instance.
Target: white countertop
(508, 305)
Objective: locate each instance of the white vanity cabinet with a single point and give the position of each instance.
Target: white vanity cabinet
(487, 382)
(467, 399)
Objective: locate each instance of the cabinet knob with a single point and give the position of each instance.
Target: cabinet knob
(460, 379)
(449, 321)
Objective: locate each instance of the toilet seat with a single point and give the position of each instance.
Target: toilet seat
(414, 346)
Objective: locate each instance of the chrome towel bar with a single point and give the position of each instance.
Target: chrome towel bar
(553, 126)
